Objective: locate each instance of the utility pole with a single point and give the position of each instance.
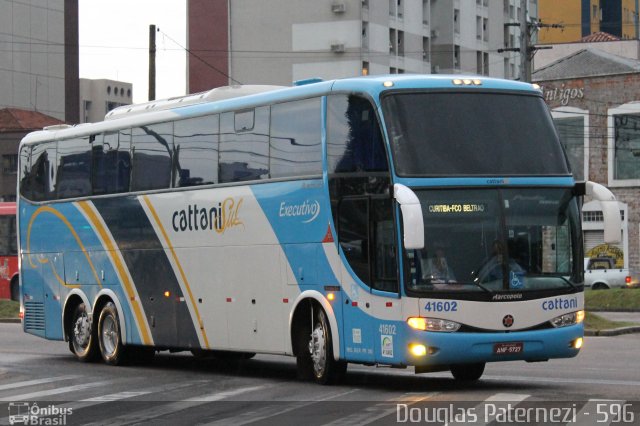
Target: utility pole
(526, 50)
(525, 53)
(152, 62)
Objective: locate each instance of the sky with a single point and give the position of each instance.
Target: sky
(114, 44)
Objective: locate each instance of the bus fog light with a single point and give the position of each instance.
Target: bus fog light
(568, 319)
(417, 349)
(577, 344)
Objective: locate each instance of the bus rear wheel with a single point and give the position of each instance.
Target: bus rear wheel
(468, 372)
(324, 368)
(82, 336)
(109, 336)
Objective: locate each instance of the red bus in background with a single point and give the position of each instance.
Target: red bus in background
(9, 280)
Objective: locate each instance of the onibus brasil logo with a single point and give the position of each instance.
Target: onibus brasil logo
(32, 414)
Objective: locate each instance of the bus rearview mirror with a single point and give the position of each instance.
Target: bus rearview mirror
(413, 224)
(610, 211)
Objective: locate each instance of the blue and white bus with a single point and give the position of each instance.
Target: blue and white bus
(425, 221)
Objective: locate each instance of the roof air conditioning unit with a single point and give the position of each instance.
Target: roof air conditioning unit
(435, 33)
(337, 47)
(338, 8)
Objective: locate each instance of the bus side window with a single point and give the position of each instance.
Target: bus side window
(353, 234)
(385, 261)
(355, 140)
(152, 149)
(111, 163)
(295, 142)
(74, 168)
(244, 145)
(40, 173)
(195, 156)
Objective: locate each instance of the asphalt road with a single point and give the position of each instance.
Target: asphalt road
(178, 389)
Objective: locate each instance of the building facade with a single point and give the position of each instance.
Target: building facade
(579, 18)
(39, 57)
(593, 98)
(98, 97)
(14, 125)
(246, 42)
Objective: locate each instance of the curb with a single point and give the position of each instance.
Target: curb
(9, 320)
(613, 331)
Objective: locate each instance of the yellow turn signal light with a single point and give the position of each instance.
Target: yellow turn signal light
(417, 323)
(331, 296)
(579, 317)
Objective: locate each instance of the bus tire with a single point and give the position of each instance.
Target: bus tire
(15, 288)
(325, 369)
(109, 336)
(82, 335)
(467, 372)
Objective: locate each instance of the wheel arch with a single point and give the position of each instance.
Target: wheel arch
(299, 308)
(73, 299)
(107, 295)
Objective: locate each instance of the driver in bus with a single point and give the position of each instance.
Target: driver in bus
(492, 269)
(436, 269)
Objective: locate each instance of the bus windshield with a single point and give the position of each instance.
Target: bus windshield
(497, 240)
(472, 134)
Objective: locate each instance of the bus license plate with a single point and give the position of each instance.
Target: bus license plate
(508, 348)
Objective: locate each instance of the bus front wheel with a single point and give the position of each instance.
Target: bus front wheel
(82, 336)
(467, 372)
(109, 336)
(318, 359)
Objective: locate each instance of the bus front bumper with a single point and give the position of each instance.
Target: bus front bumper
(464, 348)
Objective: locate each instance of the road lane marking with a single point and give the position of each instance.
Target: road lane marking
(167, 409)
(562, 380)
(56, 391)
(272, 411)
(26, 383)
(381, 410)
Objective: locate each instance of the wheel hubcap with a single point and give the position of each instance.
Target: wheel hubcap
(109, 336)
(81, 332)
(317, 348)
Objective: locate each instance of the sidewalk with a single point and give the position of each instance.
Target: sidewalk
(633, 317)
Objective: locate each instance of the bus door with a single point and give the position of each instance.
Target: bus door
(367, 239)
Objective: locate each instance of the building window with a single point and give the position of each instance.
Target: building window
(573, 129)
(456, 57)
(10, 164)
(456, 21)
(627, 146)
(593, 216)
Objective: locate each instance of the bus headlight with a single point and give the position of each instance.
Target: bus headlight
(568, 319)
(433, 324)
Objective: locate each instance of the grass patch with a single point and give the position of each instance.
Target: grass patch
(596, 322)
(612, 299)
(9, 309)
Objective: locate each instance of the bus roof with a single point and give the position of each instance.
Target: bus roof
(238, 97)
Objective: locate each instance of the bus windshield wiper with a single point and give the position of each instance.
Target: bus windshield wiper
(477, 283)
